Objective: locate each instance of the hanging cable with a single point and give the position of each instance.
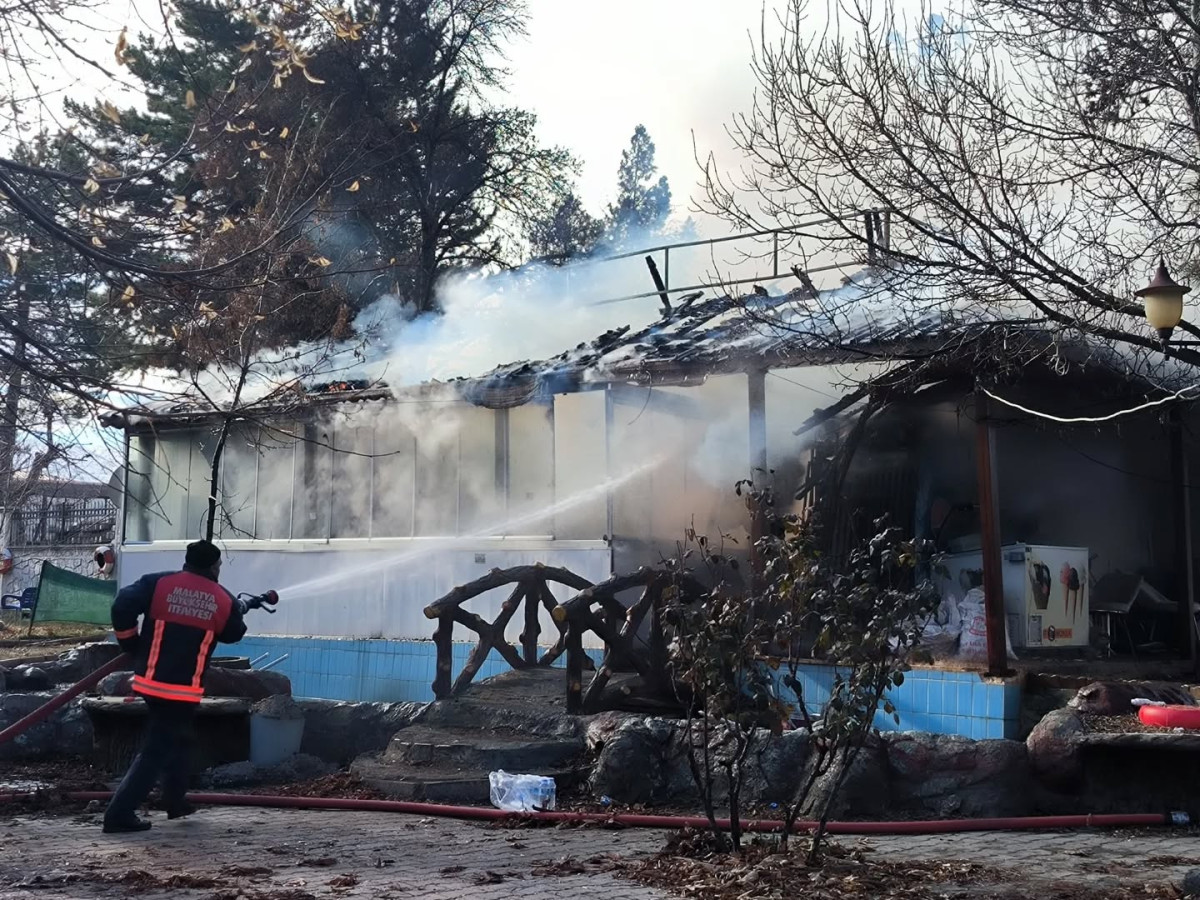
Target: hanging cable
(1079, 420)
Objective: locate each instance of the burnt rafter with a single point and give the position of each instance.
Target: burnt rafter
(531, 588)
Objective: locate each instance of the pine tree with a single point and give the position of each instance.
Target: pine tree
(570, 231)
(643, 204)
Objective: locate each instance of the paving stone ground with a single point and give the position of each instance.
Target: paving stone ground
(257, 854)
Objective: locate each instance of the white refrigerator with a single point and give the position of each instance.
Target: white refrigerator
(1045, 592)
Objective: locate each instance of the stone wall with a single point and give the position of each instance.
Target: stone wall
(68, 732)
(642, 760)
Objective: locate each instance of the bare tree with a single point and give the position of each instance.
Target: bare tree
(1030, 161)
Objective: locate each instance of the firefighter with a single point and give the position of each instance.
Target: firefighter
(184, 616)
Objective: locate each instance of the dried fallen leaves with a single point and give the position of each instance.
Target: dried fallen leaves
(319, 862)
(688, 867)
(340, 784)
(246, 871)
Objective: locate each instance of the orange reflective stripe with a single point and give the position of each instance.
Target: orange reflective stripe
(127, 633)
(155, 647)
(202, 658)
(166, 691)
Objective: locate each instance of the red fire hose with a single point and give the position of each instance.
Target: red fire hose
(633, 820)
(47, 709)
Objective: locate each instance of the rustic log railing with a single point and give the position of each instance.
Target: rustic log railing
(532, 589)
(618, 626)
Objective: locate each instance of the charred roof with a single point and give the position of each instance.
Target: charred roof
(863, 320)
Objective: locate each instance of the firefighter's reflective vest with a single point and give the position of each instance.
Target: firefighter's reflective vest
(184, 617)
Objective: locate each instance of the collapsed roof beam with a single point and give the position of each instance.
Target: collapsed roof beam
(659, 284)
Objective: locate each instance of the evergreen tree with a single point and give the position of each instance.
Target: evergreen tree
(643, 203)
(385, 161)
(570, 231)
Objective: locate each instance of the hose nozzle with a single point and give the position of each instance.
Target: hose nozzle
(265, 600)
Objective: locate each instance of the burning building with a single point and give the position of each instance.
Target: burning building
(369, 502)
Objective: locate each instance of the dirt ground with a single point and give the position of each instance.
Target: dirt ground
(238, 853)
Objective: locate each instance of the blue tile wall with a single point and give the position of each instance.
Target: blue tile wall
(358, 669)
(962, 703)
(932, 700)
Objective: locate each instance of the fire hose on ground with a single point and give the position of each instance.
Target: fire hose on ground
(620, 820)
(638, 820)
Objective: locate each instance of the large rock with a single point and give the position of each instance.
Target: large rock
(81, 661)
(640, 761)
(249, 683)
(941, 775)
(864, 792)
(29, 679)
(1054, 754)
(644, 760)
(67, 732)
(72, 666)
(118, 684)
(1115, 698)
(1191, 883)
(340, 732)
(218, 682)
(775, 766)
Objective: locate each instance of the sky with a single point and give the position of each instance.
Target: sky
(591, 72)
(594, 71)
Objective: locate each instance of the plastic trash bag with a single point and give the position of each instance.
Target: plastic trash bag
(521, 793)
(972, 644)
(939, 634)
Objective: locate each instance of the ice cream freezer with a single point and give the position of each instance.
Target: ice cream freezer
(1045, 592)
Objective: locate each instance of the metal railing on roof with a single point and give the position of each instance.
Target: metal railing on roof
(877, 231)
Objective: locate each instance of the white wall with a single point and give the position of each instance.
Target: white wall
(379, 591)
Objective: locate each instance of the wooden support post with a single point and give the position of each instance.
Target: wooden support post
(443, 641)
(1182, 516)
(658, 645)
(756, 396)
(1189, 616)
(529, 637)
(989, 522)
(574, 641)
(478, 657)
(757, 401)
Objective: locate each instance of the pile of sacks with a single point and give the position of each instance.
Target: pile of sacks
(958, 629)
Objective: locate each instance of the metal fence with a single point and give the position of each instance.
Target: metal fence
(71, 523)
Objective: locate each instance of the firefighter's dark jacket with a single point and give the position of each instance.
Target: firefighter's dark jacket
(184, 616)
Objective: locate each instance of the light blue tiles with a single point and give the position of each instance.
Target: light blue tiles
(360, 669)
(932, 700)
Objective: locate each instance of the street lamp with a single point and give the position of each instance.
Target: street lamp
(1162, 300)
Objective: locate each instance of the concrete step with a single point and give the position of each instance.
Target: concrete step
(424, 745)
(513, 722)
